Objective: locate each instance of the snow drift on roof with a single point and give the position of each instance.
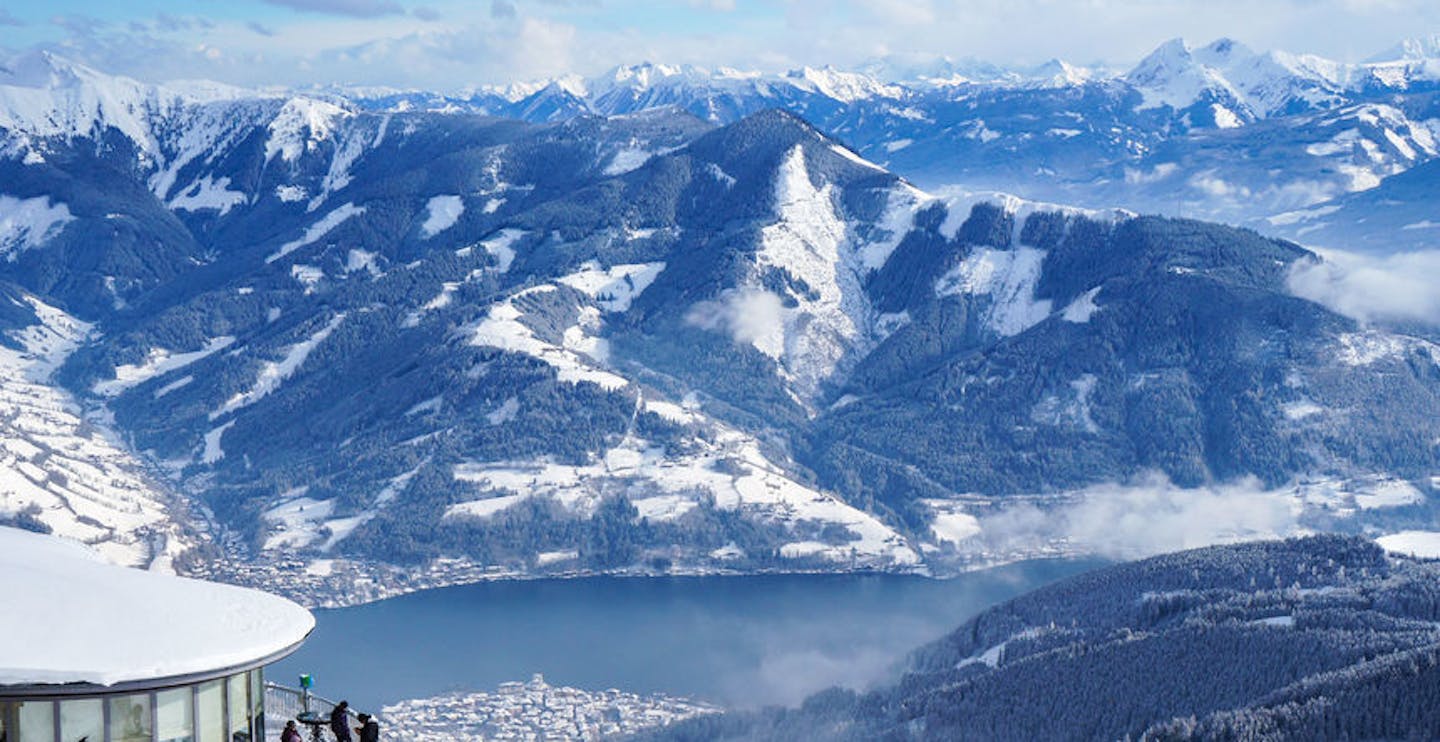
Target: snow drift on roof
(72, 618)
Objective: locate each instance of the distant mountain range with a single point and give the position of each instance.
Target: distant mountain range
(1218, 132)
(361, 329)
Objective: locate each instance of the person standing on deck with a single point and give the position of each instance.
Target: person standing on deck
(340, 722)
(369, 729)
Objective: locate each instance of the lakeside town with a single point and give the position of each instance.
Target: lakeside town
(536, 710)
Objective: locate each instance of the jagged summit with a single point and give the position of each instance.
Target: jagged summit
(1410, 50)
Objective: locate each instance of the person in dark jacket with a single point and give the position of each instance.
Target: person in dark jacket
(291, 733)
(340, 722)
(369, 729)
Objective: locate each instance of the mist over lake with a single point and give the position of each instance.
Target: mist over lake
(737, 641)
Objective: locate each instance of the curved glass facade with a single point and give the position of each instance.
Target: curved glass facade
(228, 709)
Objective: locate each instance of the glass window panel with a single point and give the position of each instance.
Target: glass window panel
(37, 721)
(257, 702)
(82, 719)
(130, 718)
(174, 716)
(5, 710)
(239, 707)
(211, 696)
(257, 690)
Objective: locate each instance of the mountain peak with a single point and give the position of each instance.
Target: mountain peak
(1170, 75)
(1174, 49)
(641, 75)
(1170, 59)
(840, 85)
(1411, 50)
(1058, 72)
(46, 70)
(1225, 47)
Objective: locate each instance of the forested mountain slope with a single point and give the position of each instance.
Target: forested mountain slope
(645, 342)
(1316, 638)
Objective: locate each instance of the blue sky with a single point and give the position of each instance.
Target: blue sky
(452, 44)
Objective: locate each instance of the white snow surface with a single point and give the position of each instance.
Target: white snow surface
(1008, 278)
(152, 626)
(1371, 346)
(845, 87)
(1388, 493)
(301, 521)
(208, 193)
(502, 247)
(352, 143)
(274, 373)
(85, 484)
(1300, 409)
(726, 466)
(439, 301)
(300, 126)
(1082, 308)
(43, 95)
(578, 359)
(308, 276)
(290, 193)
(29, 222)
(809, 241)
(362, 260)
(960, 202)
(1425, 544)
(441, 213)
(626, 160)
(814, 335)
(505, 412)
(213, 450)
(158, 362)
(615, 287)
(950, 523)
(317, 230)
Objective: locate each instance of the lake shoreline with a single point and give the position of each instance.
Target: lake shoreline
(329, 583)
(761, 638)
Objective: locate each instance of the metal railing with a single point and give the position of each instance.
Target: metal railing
(283, 703)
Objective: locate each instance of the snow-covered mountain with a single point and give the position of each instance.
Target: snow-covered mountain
(1151, 138)
(647, 341)
(61, 472)
(1154, 138)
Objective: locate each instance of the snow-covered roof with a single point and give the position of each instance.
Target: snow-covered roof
(71, 617)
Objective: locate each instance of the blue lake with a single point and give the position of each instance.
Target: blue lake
(738, 641)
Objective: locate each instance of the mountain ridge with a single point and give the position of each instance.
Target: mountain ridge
(373, 340)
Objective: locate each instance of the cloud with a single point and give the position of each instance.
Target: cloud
(1398, 287)
(751, 316)
(6, 19)
(1156, 174)
(351, 8)
(1215, 187)
(167, 22)
(1149, 516)
(772, 37)
(79, 25)
(502, 9)
(260, 29)
(899, 12)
